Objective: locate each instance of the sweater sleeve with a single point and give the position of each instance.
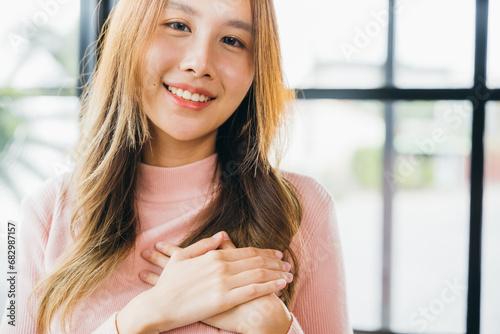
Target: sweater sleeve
(31, 238)
(32, 235)
(320, 303)
(108, 327)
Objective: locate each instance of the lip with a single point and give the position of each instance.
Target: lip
(193, 105)
(190, 88)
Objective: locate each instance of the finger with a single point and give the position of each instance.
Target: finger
(245, 293)
(227, 243)
(167, 248)
(201, 247)
(249, 252)
(257, 262)
(149, 277)
(257, 276)
(155, 258)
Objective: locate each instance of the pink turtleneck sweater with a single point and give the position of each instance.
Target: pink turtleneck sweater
(169, 200)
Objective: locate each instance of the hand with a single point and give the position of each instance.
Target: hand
(265, 314)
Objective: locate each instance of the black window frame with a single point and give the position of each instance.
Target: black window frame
(95, 12)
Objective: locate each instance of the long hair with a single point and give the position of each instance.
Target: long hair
(255, 204)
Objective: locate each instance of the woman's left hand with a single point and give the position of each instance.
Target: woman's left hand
(266, 314)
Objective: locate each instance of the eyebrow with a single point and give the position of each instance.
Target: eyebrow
(181, 6)
(238, 24)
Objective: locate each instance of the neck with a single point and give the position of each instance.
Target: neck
(162, 184)
(174, 153)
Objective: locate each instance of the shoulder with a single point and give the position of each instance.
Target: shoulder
(319, 233)
(316, 199)
(43, 201)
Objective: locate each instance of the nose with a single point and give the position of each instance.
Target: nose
(199, 58)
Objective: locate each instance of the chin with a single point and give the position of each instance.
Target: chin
(186, 136)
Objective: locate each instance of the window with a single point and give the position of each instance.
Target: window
(490, 293)
(494, 44)
(38, 102)
(332, 44)
(352, 172)
(431, 216)
(434, 49)
(394, 130)
(397, 95)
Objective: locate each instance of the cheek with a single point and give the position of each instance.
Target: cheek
(238, 77)
(158, 62)
(238, 82)
(159, 59)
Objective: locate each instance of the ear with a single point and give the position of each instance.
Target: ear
(226, 243)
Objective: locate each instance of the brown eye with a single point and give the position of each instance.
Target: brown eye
(233, 42)
(177, 26)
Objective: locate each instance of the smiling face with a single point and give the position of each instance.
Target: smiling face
(198, 70)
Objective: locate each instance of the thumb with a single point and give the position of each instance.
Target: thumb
(201, 247)
(227, 243)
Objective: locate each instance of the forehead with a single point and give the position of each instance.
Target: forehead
(235, 13)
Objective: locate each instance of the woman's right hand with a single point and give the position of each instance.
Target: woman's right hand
(200, 281)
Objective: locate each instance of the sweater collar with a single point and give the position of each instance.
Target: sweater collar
(172, 184)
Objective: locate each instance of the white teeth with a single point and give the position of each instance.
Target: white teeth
(185, 94)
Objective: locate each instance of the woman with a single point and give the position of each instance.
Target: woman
(177, 127)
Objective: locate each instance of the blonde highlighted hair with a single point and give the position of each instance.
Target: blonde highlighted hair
(114, 129)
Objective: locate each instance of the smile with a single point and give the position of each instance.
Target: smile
(187, 95)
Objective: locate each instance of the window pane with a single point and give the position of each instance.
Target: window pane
(333, 44)
(434, 46)
(41, 48)
(39, 66)
(340, 143)
(490, 292)
(494, 44)
(431, 216)
(38, 109)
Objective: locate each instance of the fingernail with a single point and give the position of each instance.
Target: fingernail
(146, 253)
(217, 235)
(281, 282)
(160, 245)
(288, 266)
(288, 277)
(144, 275)
(226, 236)
(279, 254)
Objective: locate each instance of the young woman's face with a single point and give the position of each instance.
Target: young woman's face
(203, 51)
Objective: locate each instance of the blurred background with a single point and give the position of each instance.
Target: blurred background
(389, 119)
